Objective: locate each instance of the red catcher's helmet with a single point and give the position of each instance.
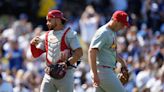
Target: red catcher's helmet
(55, 14)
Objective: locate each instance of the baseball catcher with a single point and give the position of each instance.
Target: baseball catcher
(62, 49)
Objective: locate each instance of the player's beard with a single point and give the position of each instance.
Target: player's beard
(51, 27)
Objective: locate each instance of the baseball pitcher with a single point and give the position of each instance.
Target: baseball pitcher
(103, 56)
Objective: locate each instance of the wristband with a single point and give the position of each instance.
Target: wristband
(69, 64)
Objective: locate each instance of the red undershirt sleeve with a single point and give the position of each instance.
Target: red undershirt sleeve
(36, 52)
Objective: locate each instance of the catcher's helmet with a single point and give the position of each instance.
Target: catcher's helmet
(55, 14)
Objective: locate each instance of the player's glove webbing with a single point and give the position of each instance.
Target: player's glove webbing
(124, 75)
(57, 71)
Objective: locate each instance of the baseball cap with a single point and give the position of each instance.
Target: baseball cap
(121, 16)
(55, 14)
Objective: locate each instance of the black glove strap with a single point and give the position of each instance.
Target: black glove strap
(69, 64)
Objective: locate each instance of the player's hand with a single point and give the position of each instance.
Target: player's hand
(96, 80)
(35, 41)
(64, 55)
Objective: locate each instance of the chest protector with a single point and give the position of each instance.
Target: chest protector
(63, 46)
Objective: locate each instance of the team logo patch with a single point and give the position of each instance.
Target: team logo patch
(113, 46)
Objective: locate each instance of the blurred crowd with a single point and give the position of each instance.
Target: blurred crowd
(141, 44)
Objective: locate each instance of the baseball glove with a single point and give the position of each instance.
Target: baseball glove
(57, 71)
(124, 75)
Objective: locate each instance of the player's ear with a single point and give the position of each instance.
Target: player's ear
(112, 19)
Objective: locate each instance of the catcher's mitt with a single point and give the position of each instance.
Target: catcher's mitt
(56, 71)
(124, 75)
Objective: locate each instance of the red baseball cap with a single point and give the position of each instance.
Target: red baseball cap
(55, 14)
(121, 16)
